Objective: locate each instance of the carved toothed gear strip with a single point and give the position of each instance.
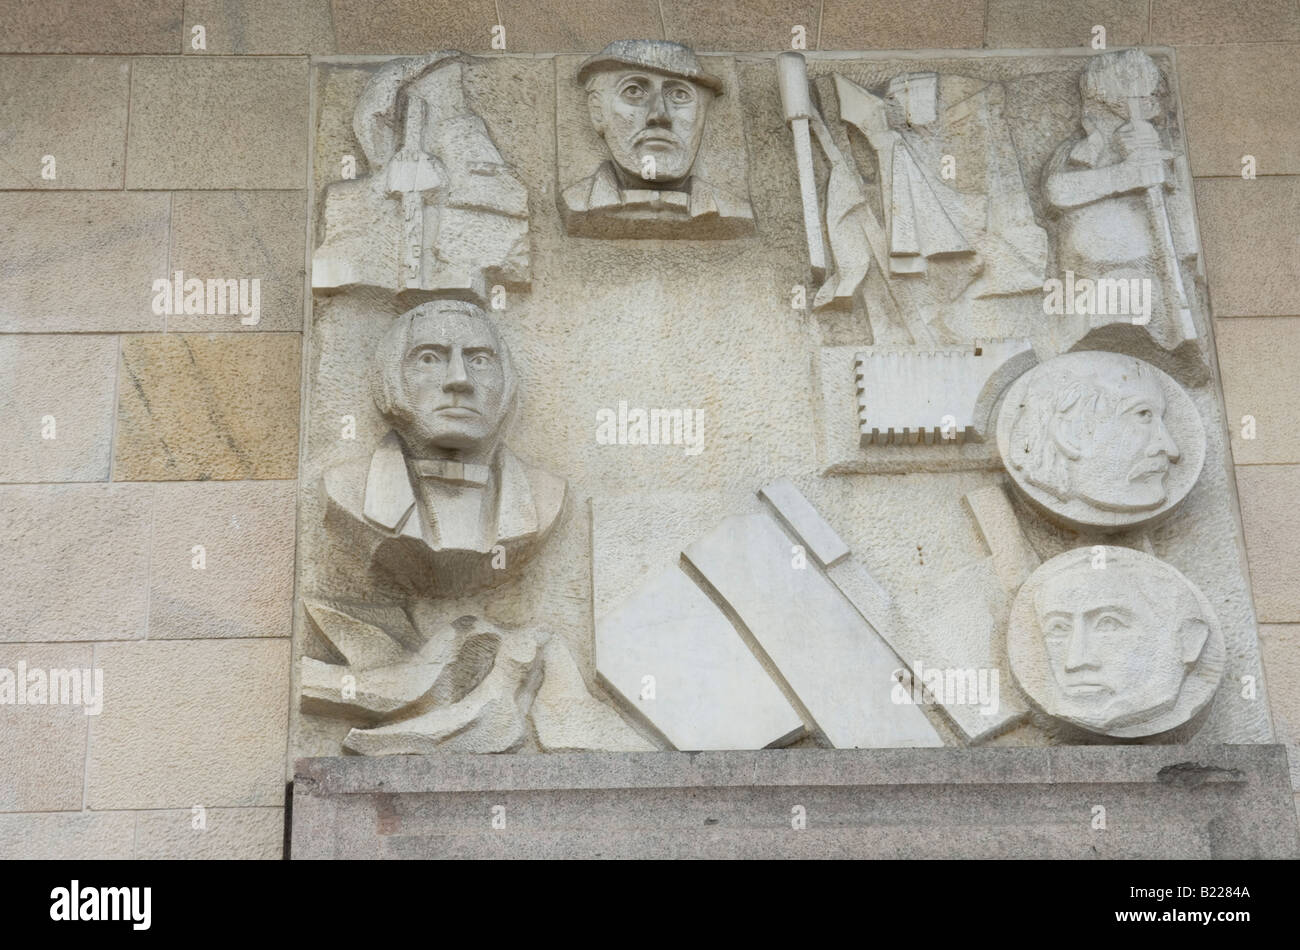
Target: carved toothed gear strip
(913, 396)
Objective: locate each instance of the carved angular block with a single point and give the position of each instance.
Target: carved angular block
(815, 640)
(673, 656)
(911, 396)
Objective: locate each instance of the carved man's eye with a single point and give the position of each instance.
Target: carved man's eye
(1110, 624)
(480, 360)
(1057, 629)
(428, 358)
(633, 91)
(680, 96)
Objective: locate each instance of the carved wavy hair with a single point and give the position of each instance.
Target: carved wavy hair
(388, 386)
(1072, 401)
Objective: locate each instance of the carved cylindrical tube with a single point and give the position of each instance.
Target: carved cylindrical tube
(793, 77)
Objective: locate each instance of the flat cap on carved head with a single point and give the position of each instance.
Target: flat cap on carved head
(649, 100)
(444, 381)
(672, 59)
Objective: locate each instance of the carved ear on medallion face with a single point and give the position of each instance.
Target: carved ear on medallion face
(1100, 441)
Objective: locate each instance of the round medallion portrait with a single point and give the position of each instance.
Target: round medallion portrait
(1100, 441)
(1115, 641)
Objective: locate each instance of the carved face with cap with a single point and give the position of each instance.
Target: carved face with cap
(1120, 640)
(648, 99)
(444, 381)
(1099, 436)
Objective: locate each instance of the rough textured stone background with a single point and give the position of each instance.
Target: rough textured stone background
(75, 274)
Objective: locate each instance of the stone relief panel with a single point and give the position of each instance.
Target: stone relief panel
(440, 210)
(1121, 208)
(656, 489)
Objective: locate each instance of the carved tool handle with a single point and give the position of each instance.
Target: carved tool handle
(796, 104)
(403, 176)
(1171, 275)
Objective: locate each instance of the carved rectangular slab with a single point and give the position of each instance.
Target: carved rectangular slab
(1161, 802)
(669, 653)
(827, 654)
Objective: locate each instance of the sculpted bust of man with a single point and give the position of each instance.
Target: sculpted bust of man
(1110, 642)
(649, 102)
(1091, 437)
(443, 505)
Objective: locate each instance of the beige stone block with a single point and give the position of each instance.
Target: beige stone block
(105, 26)
(72, 108)
(1257, 360)
(1271, 519)
(244, 587)
(261, 26)
(42, 746)
(1184, 22)
(242, 234)
(217, 405)
(561, 26)
(56, 407)
(1241, 99)
(901, 24)
(74, 836)
(227, 834)
(201, 122)
(763, 25)
(75, 562)
(1280, 652)
(197, 722)
(1053, 24)
(1248, 229)
(81, 262)
(413, 26)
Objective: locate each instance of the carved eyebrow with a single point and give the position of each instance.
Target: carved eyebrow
(1132, 401)
(1121, 612)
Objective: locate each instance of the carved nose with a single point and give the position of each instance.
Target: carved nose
(1078, 657)
(457, 379)
(1164, 442)
(658, 112)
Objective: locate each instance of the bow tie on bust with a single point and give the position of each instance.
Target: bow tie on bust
(657, 200)
(448, 470)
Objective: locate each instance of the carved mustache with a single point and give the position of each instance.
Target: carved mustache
(656, 135)
(1158, 466)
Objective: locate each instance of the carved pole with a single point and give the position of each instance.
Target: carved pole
(410, 174)
(1167, 255)
(796, 104)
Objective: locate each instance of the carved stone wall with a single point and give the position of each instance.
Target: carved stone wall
(130, 151)
(665, 567)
